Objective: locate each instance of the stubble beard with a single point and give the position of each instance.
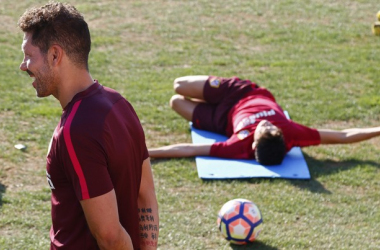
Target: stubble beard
(44, 82)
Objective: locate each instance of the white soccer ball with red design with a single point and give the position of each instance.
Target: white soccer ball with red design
(240, 221)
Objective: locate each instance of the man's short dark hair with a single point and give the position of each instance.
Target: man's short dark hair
(270, 148)
(62, 24)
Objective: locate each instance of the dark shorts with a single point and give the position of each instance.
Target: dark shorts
(221, 94)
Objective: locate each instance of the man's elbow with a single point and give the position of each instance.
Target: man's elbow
(147, 197)
(113, 239)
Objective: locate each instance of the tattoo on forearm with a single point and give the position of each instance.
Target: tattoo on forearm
(148, 227)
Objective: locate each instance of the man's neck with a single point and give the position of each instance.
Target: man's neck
(70, 87)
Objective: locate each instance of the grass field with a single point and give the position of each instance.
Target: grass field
(320, 60)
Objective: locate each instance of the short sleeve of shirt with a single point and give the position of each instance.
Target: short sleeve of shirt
(301, 136)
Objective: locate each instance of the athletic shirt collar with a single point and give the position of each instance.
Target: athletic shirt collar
(87, 92)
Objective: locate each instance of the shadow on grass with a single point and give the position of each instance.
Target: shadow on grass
(327, 167)
(317, 168)
(2, 191)
(254, 245)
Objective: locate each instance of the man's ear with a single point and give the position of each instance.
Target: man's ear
(55, 55)
(254, 144)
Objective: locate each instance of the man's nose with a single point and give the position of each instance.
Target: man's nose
(23, 66)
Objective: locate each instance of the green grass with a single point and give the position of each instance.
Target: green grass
(320, 60)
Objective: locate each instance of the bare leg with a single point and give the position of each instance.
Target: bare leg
(190, 86)
(183, 106)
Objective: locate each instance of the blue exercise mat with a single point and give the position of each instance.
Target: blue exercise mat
(293, 166)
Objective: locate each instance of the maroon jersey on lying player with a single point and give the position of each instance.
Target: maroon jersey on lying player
(98, 145)
(235, 107)
(243, 119)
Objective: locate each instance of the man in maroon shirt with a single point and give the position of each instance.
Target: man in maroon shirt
(98, 166)
(249, 115)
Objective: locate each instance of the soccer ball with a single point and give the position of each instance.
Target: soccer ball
(240, 221)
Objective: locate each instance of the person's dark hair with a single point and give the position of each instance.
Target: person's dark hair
(62, 24)
(270, 148)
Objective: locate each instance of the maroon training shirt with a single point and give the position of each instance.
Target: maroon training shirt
(98, 145)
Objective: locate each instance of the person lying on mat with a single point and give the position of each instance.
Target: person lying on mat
(249, 115)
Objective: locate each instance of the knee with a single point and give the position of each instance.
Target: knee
(175, 101)
(176, 84)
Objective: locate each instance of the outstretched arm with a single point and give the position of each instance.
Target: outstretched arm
(347, 135)
(180, 150)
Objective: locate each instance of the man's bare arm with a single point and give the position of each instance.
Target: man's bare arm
(180, 150)
(148, 209)
(347, 135)
(103, 220)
